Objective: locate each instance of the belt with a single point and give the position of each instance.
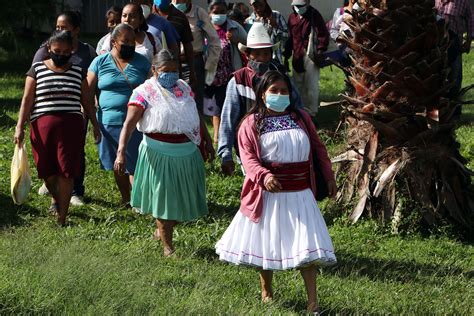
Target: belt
(169, 138)
(292, 176)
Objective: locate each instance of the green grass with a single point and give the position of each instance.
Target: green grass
(105, 261)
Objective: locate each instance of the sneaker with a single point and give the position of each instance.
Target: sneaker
(77, 200)
(43, 190)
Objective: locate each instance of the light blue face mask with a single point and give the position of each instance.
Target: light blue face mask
(168, 79)
(218, 19)
(181, 6)
(301, 10)
(277, 102)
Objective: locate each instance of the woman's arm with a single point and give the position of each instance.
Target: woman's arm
(92, 83)
(248, 153)
(25, 109)
(134, 114)
(209, 151)
(89, 109)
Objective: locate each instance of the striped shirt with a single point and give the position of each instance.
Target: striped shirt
(56, 91)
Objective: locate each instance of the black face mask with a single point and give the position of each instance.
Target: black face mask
(127, 51)
(259, 67)
(59, 60)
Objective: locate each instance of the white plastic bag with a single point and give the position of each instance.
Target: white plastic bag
(20, 175)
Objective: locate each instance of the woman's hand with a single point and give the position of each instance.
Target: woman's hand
(120, 163)
(19, 135)
(272, 21)
(97, 134)
(273, 185)
(332, 188)
(231, 38)
(209, 151)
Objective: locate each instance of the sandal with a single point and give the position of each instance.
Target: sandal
(315, 311)
(125, 205)
(168, 252)
(53, 209)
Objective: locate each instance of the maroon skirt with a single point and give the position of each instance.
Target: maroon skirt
(58, 143)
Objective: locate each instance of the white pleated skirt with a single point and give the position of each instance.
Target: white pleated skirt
(291, 233)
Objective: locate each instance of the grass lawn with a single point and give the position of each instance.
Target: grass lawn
(105, 261)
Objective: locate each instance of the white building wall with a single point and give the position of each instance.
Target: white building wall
(326, 7)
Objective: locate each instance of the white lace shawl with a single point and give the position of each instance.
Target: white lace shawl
(167, 112)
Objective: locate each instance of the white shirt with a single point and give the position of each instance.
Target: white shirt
(145, 49)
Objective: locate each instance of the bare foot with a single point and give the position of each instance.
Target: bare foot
(267, 297)
(156, 234)
(61, 221)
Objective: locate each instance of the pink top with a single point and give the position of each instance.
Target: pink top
(256, 175)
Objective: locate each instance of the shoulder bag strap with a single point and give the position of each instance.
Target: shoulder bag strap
(152, 41)
(123, 73)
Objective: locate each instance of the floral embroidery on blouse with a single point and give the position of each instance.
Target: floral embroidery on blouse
(137, 100)
(278, 123)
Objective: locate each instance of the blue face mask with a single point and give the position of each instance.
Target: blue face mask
(168, 79)
(218, 19)
(181, 6)
(301, 10)
(277, 102)
(162, 4)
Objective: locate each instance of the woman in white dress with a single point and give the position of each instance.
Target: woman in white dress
(279, 225)
(146, 44)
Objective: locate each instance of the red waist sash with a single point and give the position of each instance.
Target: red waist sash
(292, 176)
(169, 138)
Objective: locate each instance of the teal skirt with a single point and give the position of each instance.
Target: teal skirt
(169, 181)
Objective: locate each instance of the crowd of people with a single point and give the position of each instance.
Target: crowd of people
(162, 67)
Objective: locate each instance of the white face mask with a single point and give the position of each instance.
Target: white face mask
(146, 11)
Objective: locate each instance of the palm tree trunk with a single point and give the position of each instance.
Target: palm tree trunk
(401, 143)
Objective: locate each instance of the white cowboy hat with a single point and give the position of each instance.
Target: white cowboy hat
(299, 2)
(257, 38)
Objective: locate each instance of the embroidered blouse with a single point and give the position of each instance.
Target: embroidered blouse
(167, 112)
